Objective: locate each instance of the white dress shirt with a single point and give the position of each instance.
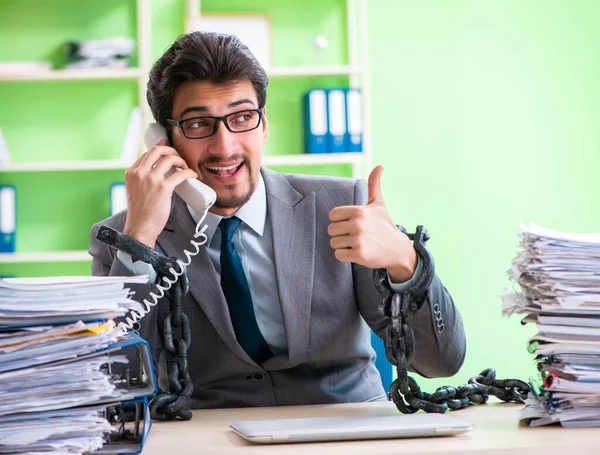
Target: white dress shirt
(254, 244)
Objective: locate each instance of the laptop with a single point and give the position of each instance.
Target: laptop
(349, 428)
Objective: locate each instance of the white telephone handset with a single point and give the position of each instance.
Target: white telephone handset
(196, 194)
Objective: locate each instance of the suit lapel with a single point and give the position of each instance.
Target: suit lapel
(293, 222)
(204, 285)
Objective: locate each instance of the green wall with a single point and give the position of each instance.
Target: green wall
(483, 114)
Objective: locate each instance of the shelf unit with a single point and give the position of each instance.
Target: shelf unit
(137, 74)
(355, 70)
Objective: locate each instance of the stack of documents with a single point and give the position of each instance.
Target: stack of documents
(66, 372)
(112, 52)
(559, 277)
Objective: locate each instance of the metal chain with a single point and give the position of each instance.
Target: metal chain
(176, 334)
(176, 337)
(400, 349)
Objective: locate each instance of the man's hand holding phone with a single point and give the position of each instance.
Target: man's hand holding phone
(149, 191)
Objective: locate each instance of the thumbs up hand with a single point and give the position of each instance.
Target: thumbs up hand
(366, 235)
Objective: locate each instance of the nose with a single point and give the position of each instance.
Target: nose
(223, 141)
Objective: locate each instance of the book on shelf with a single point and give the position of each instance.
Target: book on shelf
(333, 120)
(4, 154)
(133, 136)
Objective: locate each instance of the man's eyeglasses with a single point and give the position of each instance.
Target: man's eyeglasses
(205, 126)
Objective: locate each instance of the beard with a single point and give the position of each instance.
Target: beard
(233, 201)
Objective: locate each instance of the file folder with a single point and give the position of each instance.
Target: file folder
(4, 155)
(336, 120)
(118, 198)
(354, 120)
(130, 420)
(133, 432)
(315, 120)
(136, 379)
(8, 218)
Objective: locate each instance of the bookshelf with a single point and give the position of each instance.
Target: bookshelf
(72, 178)
(354, 71)
(74, 182)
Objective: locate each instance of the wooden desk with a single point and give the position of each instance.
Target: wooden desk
(496, 431)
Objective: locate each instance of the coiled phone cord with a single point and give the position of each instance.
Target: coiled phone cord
(134, 316)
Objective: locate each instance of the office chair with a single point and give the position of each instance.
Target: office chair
(382, 363)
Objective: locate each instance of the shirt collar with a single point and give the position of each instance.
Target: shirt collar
(253, 213)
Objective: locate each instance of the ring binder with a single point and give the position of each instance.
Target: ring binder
(8, 218)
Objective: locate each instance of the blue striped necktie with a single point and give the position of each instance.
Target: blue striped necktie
(237, 293)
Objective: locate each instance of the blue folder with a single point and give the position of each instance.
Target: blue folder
(336, 120)
(354, 119)
(8, 218)
(315, 121)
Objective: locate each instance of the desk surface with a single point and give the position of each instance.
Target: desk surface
(496, 431)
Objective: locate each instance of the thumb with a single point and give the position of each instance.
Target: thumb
(375, 185)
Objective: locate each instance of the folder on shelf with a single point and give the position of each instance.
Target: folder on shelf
(118, 198)
(8, 218)
(4, 155)
(354, 119)
(133, 137)
(315, 121)
(336, 119)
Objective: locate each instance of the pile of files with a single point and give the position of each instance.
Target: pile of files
(111, 53)
(70, 381)
(559, 278)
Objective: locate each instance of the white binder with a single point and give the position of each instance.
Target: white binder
(355, 120)
(8, 218)
(336, 103)
(118, 198)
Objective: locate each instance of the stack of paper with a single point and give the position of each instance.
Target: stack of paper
(559, 277)
(62, 361)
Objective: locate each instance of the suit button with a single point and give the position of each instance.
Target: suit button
(258, 376)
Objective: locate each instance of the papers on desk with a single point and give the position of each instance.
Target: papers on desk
(559, 278)
(64, 365)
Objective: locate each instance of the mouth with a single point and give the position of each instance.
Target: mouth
(226, 171)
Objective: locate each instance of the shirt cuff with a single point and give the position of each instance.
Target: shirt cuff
(401, 287)
(137, 267)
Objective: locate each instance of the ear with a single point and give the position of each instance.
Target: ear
(265, 124)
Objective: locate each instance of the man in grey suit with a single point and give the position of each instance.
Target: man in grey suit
(280, 293)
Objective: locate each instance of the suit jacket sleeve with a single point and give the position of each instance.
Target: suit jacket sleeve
(438, 353)
(106, 263)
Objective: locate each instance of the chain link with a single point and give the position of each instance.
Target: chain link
(176, 335)
(399, 342)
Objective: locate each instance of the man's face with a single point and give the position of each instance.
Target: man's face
(227, 162)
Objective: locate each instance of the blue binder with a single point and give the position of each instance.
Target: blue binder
(138, 429)
(8, 218)
(354, 118)
(336, 120)
(315, 121)
(126, 408)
